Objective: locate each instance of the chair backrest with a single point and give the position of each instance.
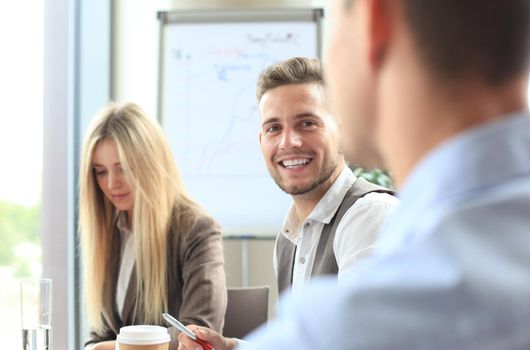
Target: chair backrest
(246, 310)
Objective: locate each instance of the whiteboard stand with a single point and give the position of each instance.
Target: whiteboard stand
(244, 249)
(244, 262)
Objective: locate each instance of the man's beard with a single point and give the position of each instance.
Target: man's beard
(296, 191)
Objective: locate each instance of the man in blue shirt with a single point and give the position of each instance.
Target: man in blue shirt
(435, 90)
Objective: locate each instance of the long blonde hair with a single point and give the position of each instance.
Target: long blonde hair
(159, 198)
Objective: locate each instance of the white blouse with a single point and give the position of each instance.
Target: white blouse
(128, 258)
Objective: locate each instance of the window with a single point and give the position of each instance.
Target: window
(21, 69)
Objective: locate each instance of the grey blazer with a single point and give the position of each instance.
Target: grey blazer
(196, 282)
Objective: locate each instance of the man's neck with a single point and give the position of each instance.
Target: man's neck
(424, 120)
(305, 203)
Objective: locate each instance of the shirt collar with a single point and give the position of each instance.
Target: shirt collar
(121, 223)
(325, 208)
(471, 160)
(461, 167)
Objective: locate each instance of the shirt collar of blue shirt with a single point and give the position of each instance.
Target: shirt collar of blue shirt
(463, 166)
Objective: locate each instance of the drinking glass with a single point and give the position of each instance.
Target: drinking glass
(36, 302)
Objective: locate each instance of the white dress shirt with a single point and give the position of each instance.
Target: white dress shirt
(355, 233)
(453, 271)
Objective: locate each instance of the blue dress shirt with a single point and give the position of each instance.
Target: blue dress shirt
(452, 270)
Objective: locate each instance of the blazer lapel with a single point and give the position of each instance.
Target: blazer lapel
(130, 297)
(112, 316)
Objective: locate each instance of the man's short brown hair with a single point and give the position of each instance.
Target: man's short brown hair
(478, 39)
(296, 70)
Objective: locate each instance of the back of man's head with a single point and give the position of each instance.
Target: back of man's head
(296, 70)
(486, 40)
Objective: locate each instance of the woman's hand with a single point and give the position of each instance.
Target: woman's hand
(215, 339)
(104, 345)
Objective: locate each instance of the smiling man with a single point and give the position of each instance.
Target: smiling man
(335, 217)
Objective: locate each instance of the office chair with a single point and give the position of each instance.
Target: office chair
(246, 310)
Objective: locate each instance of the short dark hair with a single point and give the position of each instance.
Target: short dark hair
(296, 70)
(459, 39)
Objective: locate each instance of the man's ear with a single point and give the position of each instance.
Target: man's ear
(379, 20)
(260, 134)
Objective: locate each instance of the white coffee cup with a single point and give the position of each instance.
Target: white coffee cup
(143, 337)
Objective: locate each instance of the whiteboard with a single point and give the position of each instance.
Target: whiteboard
(209, 64)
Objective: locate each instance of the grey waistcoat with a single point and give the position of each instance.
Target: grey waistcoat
(325, 262)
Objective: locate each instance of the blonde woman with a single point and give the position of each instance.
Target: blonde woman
(147, 247)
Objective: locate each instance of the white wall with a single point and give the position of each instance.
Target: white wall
(135, 51)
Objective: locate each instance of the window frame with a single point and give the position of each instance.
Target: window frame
(77, 82)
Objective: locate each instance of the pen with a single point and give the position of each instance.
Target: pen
(176, 323)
